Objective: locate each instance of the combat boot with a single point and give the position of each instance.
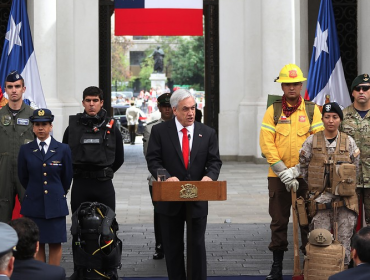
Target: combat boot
(277, 266)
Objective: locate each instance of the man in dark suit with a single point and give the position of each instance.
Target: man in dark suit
(361, 258)
(25, 265)
(8, 240)
(187, 151)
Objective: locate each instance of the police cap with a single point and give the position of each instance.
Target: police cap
(164, 99)
(363, 78)
(332, 107)
(8, 238)
(42, 115)
(13, 76)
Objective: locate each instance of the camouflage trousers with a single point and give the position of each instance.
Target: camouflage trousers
(346, 219)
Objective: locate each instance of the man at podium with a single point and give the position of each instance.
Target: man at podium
(187, 151)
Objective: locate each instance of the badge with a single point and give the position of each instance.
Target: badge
(366, 77)
(41, 113)
(23, 121)
(302, 118)
(293, 74)
(6, 120)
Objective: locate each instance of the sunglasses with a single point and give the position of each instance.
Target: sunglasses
(11, 86)
(364, 88)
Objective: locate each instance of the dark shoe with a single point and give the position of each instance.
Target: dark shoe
(158, 255)
(277, 266)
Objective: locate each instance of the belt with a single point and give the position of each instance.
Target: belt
(106, 172)
(329, 205)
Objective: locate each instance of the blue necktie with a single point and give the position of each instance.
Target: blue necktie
(42, 144)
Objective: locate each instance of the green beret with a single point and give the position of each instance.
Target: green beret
(364, 78)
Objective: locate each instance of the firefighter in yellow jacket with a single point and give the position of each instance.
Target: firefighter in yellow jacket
(281, 137)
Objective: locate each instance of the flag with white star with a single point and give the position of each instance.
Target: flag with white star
(326, 76)
(18, 54)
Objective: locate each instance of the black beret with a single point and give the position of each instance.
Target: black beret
(364, 78)
(42, 115)
(332, 108)
(164, 99)
(13, 76)
(8, 239)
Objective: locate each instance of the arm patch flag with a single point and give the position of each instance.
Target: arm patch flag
(326, 76)
(18, 54)
(158, 17)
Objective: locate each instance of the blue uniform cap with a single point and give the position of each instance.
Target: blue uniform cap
(8, 239)
(13, 76)
(42, 115)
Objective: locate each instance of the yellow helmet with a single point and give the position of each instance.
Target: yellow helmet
(290, 73)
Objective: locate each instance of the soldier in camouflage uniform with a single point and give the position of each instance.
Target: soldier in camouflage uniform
(325, 197)
(15, 130)
(356, 123)
(164, 107)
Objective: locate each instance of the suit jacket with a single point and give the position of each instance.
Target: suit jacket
(32, 269)
(46, 180)
(164, 151)
(361, 272)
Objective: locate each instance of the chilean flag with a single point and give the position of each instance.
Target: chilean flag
(326, 76)
(18, 54)
(158, 17)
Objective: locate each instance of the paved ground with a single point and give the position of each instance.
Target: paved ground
(237, 233)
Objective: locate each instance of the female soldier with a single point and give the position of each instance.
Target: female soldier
(45, 171)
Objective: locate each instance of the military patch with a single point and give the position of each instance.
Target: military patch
(302, 118)
(23, 121)
(6, 120)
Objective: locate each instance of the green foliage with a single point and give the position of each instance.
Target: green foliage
(183, 61)
(120, 63)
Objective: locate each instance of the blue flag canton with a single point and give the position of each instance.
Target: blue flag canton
(129, 4)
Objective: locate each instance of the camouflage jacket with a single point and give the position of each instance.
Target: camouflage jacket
(359, 129)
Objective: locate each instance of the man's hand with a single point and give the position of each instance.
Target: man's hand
(172, 179)
(206, 178)
(293, 184)
(289, 174)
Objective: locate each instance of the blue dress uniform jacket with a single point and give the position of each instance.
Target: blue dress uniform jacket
(46, 180)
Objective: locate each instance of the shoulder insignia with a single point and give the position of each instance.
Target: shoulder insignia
(357, 152)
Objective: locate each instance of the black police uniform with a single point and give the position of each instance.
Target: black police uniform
(97, 152)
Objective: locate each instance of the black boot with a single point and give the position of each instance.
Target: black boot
(277, 266)
(158, 255)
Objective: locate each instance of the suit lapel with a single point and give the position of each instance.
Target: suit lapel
(35, 150)
(197, 138)
(52, 149)
(174, 137)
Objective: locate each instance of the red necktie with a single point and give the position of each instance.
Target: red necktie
(185, 146)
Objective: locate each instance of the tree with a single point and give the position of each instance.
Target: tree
(120, 63)
(188, 62)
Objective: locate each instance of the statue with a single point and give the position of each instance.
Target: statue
(158, 56)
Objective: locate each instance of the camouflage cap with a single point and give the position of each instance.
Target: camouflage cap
(164, 99)
(363, 78)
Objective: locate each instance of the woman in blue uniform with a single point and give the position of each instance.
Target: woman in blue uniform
(45, 171)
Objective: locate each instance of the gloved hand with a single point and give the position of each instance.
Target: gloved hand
(289, 174)
(293, 184)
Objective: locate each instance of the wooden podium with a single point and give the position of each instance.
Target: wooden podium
(188, 191)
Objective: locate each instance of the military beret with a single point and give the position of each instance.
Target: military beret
(364, 78)
(332, 108)
(8, 238)
(42, 115)
(13, 76)
(164, 99)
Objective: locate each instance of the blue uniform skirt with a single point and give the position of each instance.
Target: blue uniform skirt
(51, 230)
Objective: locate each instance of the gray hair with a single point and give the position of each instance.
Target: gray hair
(179, 95)
(4, 261)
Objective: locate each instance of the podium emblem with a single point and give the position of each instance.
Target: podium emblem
(188, 191)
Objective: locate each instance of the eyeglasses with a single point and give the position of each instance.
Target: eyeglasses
(363, 88)
(11, 86)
